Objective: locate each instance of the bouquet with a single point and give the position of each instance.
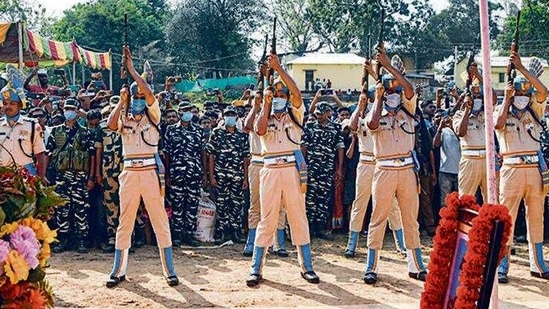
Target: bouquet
(26, 203)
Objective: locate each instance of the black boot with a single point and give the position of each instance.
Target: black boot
(219, 238)
(139, 236)
(188, 238)
(61, 246)
(237, 237)
(176, 239)
(82, 248)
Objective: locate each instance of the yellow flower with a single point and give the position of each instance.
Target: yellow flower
(41, 229)
(16, 268)
(44, 254)
(8, 228)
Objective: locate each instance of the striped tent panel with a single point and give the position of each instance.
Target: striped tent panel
(96, 60)
(50, 49)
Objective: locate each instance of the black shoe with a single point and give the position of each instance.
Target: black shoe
(310, 276)
(237, 238)
(219, 238)
(502, 278)
(544, 275)
(190, 240)
(253, 280)
(60, 246)
(114, 281)
(176, 243)
(82, 248)
(521, 239)
(247, 253)
(108, 248)
(370, 278)
(172, 280)
(363, 234)
(282, 253)
(349, 253)
(324, 235)
(418, 276)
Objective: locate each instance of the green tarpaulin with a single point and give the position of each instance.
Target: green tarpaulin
(221, 83)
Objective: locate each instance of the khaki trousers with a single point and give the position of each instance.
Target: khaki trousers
(280, 186)
(254, 213)
(387, 184)
(135, 184)
(471, 175)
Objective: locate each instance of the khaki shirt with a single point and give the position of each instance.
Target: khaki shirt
(474, 138)
(17, 141)
(390, 140)
(137, 135)
(275, 140)
(255, 143)
(365, 140)
(514, 138)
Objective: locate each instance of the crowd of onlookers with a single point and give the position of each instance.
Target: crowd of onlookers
(437, 157)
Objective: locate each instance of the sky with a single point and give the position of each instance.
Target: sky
(56, 7)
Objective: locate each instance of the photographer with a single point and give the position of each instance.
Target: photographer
(43, 88)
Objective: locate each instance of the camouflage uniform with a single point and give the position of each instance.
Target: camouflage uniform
(112, 165)
(322, 144)
(183, 146)
(229, 150)
(70, 157)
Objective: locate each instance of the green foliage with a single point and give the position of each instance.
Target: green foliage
(212, 36)
(533, 37)
(30, 11)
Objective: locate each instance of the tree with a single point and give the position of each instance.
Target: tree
(31, 11)
(533, 38)
(211, 37)
(99, 25)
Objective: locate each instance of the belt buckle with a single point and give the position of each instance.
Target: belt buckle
(398, 162)
(526, 160)
(137, 163)
(281, 160)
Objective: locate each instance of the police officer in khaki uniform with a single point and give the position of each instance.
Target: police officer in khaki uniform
(280, 181)
(140, 136)
(391, 122)
(256, 163)
(468, 124)
(518, 127)
(21, 138)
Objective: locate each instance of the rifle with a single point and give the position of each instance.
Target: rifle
(469, 63)
(365, 74)
(123, 70)
(380, 43)
(273, 50)
(261, 61)
(511, 70)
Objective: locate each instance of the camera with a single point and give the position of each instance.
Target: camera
(326, 91)
(62, 92)
(59, 72)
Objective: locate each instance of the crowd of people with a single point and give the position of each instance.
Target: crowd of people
(269, 162)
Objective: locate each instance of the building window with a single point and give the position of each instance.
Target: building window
(501, 77)
(309, 79)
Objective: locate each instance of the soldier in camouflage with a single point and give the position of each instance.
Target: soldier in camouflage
(229, 155)
(108, 145)
(322, 141)
(70, 147)
(185, 159)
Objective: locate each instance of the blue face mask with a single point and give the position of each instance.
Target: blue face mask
(279, 105)
(70, 115)
(14, 118)
(186, 116)
(230, 121)
(138, 106)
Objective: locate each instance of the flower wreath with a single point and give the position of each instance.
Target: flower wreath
(472, 270)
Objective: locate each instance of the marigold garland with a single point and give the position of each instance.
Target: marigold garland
(470, 278)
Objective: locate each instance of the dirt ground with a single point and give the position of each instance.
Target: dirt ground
(215, 278)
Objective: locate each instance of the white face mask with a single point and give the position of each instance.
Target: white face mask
(477, 105)
(393, 100)
(521, 102)
(279, 104)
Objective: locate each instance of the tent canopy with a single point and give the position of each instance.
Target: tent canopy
(221, 83)
(37, 48)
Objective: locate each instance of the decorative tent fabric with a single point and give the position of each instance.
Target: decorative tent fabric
(37, 48)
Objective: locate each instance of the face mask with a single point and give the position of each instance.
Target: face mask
(477, 105)
(279, 105)
(70, 115)
(14, 118)
(521, 102)
(393, 100)
(230, 121)
(138, 106)
(186, 116)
